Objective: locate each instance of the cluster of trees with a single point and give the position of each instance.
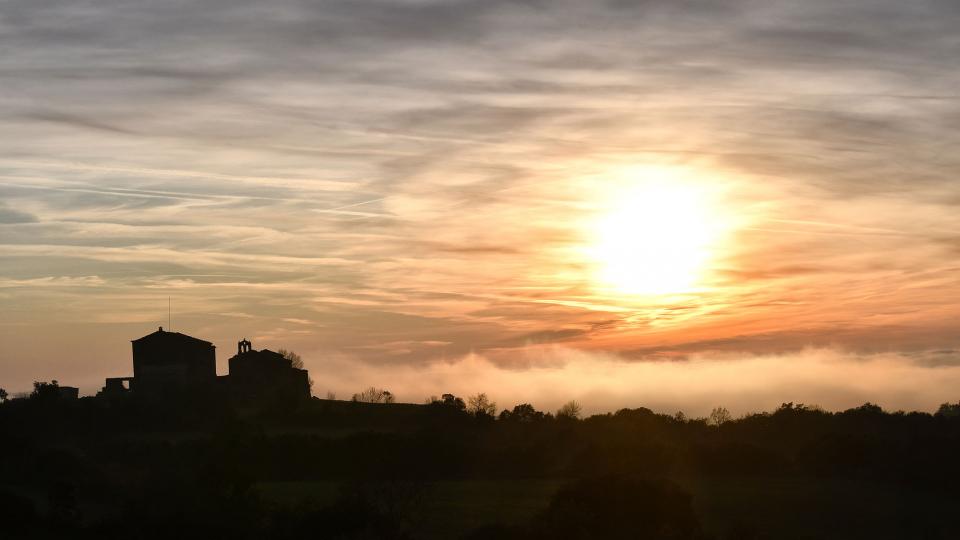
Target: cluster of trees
(41, 390)
(373, 395)
(949, 410)
(619, 470)
(480, 406)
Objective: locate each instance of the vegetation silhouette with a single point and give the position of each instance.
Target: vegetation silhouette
(374, 395)
(481, 406)
(196, 466)
(570, 410)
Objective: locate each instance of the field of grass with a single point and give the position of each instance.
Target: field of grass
(792, 508)
(782, 508)
(444, 509)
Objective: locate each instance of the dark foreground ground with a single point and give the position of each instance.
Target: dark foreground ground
(193, 468)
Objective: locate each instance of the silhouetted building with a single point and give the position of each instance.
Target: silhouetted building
(169, 362)
(266, 375)
(116, 386)
(68, 392)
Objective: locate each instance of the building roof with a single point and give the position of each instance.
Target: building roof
(261, 354)
(164, 335)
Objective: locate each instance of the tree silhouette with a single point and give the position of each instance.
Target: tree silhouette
(480, 405)
(374, 395)
(523, 413)
(3, 395)
(44, 391)
(295, 360)
(949, 410)
(447, 400)
(719, 416)
(570, 410)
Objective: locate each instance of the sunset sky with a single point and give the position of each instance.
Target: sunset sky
(675, 204)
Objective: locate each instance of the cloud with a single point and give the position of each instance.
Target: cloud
(54, 281)
(402, 181)
(831, 378)
(11, 216)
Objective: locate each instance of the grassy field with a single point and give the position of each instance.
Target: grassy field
(793, 508)
(783, 508)
(445, 509)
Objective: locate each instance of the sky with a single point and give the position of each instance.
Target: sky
(677, 204)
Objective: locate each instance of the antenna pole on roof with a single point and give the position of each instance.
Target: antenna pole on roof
(169, 327)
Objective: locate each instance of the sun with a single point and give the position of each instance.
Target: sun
(656, 232)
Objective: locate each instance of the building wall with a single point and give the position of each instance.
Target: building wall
(266, 374)
(68, 392)
(171, 361)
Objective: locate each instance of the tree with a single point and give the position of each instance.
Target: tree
(949, 410)
(523, 413)
(866, 410)
(374, 395)
(3, 395)
(295, 360)
(45, 390)
(447, 400)
(570, 410)
(480, 405)
(719, 416)
(451, 400)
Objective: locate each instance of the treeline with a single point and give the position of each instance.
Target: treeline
(194, 465)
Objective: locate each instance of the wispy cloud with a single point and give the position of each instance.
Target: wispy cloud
(397, 182)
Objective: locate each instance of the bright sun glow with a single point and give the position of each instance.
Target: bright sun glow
(657, 232)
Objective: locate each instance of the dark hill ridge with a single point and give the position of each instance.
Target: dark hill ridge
(437, 471)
